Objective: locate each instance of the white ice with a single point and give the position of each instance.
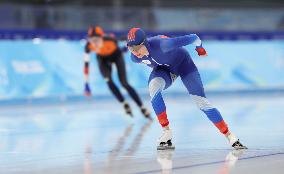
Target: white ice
(97, 137)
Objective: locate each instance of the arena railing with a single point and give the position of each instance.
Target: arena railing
(77, 35)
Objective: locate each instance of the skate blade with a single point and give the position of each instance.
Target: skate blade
(165, 147)
(240, 147)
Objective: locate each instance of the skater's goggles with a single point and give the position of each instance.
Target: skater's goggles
(135, 48)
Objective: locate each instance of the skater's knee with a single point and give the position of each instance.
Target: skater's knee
(109, 82)
(156, 85)
(202, 102)
(125, 84)
(107, 79)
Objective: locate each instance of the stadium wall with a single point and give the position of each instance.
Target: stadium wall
(53, 68)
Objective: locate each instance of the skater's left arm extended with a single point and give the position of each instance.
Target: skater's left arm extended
(168, 44)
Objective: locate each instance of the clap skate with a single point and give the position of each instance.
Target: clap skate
(146, 113)
(165, 141)
(127, 109)
(235, 142)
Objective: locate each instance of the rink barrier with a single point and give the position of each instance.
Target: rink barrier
(100, 98)
(77, 35)
(36, 76)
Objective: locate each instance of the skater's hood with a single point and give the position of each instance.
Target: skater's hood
(136, 36)
(95, 31)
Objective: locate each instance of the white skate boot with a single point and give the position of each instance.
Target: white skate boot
(165, 141)
(235, 142)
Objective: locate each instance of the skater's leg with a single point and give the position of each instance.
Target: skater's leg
(120, 65)
(119, 62)
(159, 80)
(105, 69)
(156, 85)
(193, 83)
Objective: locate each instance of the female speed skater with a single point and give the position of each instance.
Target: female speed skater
(108, 53)
(169, 60)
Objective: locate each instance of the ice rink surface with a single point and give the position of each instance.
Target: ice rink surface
(97, 137)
